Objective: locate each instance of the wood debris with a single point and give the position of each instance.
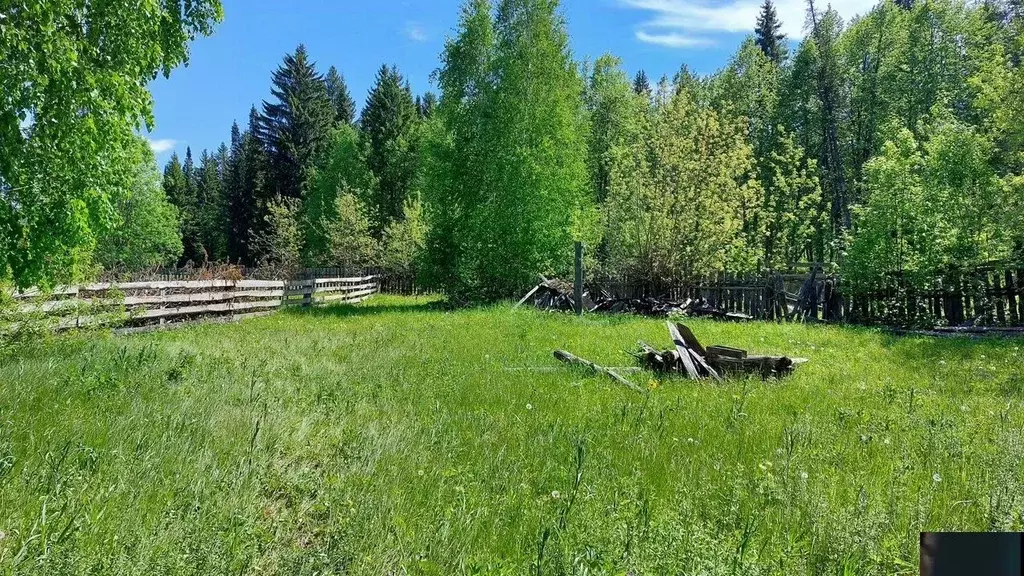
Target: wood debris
(555, 294)
(691, 359)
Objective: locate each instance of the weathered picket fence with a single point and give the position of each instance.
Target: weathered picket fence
(992, 296)
(136, 306)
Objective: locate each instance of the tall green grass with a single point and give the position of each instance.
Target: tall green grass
(392, 438)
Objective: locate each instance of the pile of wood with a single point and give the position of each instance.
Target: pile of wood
(690, 359)
(555, 294)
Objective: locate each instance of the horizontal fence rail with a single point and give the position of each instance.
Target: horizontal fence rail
(148, 305)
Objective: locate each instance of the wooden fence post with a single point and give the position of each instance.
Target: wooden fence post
(578, 292)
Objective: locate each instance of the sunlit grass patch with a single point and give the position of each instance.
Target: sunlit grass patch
(394, 437)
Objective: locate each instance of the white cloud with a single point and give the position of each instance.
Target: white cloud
(672, 39)
(162, 145)
(415, 32)
(685, 23)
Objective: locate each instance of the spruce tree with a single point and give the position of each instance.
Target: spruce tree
(337, 91)
(187, 201)
(389, 122)
(209, 226)
(425, 105)
(641, 85)
(174, 181)
(250, 203)
(767, 33)
(236, 221)
(296, 128)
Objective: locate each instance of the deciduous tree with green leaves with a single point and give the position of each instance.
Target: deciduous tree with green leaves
(73, 90)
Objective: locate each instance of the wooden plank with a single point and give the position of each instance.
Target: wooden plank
(726, 352)
(320, 281)
(527, 297)
(346, 288)
(568, 358)
(260, 283)
(690, 339)
(159, 285)
(36, 292)
(684, 353)
(345, 295)
(175, 298)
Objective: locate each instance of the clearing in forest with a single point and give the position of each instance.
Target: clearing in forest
(394, 437)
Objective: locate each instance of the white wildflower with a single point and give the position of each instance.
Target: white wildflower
(529, 406)
(803, 475)
(555, 494)
(936, 477)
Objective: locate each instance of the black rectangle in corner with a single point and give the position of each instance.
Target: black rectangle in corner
(971, 554)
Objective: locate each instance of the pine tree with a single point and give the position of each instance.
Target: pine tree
(389, 122)
(208, 214)
(251, 200)
(641, 85)
(185, 195)
(425, 105)
(236, 218)
(174, 181)
(295, 130)
(337, 91)
(767, 33)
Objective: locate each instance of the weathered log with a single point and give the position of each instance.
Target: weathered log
(568, 358)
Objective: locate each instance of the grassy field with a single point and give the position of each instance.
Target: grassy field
(392, 438)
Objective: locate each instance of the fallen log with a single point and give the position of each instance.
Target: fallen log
(568, 358)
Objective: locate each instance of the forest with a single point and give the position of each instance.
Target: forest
(890, 147)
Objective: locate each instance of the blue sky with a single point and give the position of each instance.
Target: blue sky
(230, 70)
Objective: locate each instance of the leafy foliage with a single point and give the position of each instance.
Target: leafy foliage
(73, 89)
(145, 231)
(681, 190)
(508, 184)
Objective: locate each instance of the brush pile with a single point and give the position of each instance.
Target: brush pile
(558, 295)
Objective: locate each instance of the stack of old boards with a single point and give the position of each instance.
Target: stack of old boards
(690, 359)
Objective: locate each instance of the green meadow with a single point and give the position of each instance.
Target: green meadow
(396, 437)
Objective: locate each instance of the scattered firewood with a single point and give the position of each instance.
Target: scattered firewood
(691, 359)
(573, 360)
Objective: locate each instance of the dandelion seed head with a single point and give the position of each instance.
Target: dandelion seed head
(529, 406)
(555, 494)
(803, 475)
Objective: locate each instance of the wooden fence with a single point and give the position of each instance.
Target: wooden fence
(987, 296)
(148, 305)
